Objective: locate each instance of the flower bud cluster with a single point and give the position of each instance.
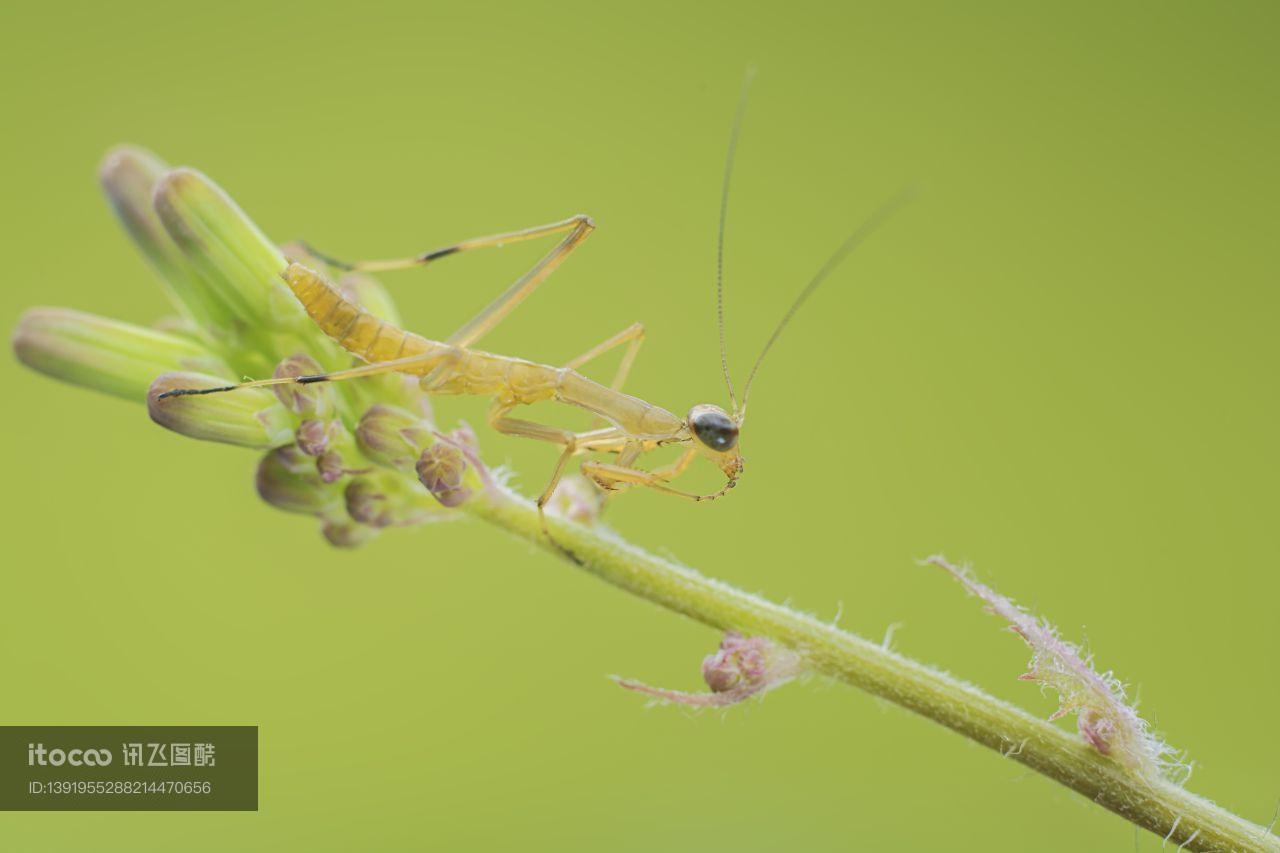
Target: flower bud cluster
(359, 456)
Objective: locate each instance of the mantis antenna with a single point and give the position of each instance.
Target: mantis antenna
(854, 240)
(724, 212)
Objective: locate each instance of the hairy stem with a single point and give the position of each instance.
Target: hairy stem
(1181, 818)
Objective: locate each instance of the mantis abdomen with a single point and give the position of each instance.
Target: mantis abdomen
(353, 328)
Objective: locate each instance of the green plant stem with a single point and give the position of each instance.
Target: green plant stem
(1166, 809)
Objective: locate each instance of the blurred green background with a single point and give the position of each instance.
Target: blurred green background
(1059, 364)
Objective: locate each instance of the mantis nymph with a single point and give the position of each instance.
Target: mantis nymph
(633, 427)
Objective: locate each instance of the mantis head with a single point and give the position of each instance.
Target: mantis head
(717, 436)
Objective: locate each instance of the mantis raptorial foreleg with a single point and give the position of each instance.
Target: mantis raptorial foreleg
(609, 477)
(579, 227)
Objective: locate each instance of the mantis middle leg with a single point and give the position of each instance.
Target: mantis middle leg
(568, 440)
(633, 337)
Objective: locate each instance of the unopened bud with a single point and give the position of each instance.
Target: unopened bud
(250, 417)
(287, 480)
(382, 499)
(312, 399)
(179, 327)
(441, 469)
(367, 504)
(313, 437)
(740, 669)
(347, 534)
(129, 176)
(739, 662)
(331, 445)
(393, 437)
(105, 355)
(331, 466)
(228, 251)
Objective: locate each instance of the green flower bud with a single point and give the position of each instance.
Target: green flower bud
(367, 504)
(106, 355)
(233, 258)
(393, 437)
(180, 327)
(347, 534)
(384, 499)
(129, 176)
(249, 417)
(442, 468)
(287, 480)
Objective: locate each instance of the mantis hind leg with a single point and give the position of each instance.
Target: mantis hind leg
(579, 228)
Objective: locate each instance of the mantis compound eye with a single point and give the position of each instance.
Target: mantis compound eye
(714, 428)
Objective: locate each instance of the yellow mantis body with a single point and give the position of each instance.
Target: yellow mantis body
(633, 427)
(455, 367)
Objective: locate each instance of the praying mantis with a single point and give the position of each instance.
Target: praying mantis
(632, 427)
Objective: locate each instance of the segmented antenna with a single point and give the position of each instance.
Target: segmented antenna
(724, 211)
(854, 240)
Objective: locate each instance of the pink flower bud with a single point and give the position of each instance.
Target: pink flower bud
(742, 667)
(393, 437)
(287, 480)
(441, 468)
(313, 437)
(740, 661)
(308, 400)
(331, 466)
